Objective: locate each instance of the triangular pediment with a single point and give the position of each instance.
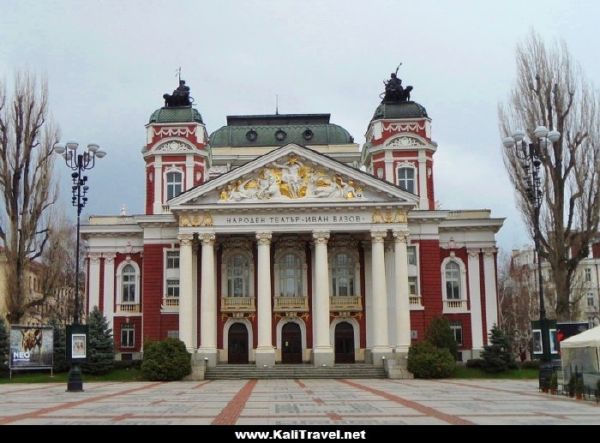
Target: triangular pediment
(293, 174)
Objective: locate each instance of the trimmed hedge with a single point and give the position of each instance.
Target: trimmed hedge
(530, 364)
(476, 363)
(166, 360)
(427, 361)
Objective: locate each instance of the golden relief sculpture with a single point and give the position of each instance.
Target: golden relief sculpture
(291, 180)
(390, 216)
(195, 220)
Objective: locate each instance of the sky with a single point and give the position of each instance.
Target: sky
(109, 62)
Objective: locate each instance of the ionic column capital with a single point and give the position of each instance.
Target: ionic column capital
(489, 252)
(94, 257)
(473, 252)
(264, 238)
(378, 236)
(207, 238)
(400, 236)
(321, 237)
(185, 239)
(109, 257)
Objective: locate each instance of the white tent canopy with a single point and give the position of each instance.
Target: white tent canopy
(582, 351)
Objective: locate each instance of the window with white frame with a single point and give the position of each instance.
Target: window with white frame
(457, 331)
(174, 184)
(238, 284)
(342, 275)
(588, 275)
(172, 259)
(172, 288)
(290, 276)
(127, 336)
(452, 273)
(590, 299)
(406, 179)
(128, 284)
(413, 286)
(411, 252)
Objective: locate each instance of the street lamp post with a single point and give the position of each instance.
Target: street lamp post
(528, 155)
(77, 162)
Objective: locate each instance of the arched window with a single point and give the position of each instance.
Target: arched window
(290, 276)
(238, 283)
(406, 179)
(342, 275)
(452, 281)
(128, 282)
(174, 184)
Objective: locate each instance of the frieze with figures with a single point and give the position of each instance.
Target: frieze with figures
(291, 180)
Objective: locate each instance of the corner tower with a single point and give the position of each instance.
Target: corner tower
(176, 150)
(398, 145)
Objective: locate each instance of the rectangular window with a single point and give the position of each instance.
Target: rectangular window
(452, 290)
(588, 275)
(411, 252)
(172, 259)
(590, 299)
(458, 333)
(127, 336)
(406, 179)
(413, 286)
(172, 288)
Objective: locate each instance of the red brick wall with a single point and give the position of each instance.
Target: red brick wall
(429, 265)
(465, 321)
(596, 250)
(168, 322)
(431, 193)
(152, 290)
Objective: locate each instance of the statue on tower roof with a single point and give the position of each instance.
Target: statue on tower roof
(394, 91)
(180, 96)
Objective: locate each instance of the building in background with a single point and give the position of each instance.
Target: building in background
(278, 239)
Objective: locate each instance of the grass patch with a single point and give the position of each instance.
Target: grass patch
(513, 374)
(129, 374)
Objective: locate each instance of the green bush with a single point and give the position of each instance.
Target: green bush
(440, 335)
(166, 360)
(127, 364)
(530, 364)
(476, 363)
(60, 362)
(427, 361)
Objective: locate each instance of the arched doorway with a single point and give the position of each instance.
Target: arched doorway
(344, 343)
(291, 343)
(237, 344)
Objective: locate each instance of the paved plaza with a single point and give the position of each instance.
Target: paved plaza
(294, 402)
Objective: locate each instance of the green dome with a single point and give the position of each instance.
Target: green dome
(278, 130)
(182, 114)
(400, 110)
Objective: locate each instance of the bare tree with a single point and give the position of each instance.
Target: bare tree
(26, 184)
(552, 91)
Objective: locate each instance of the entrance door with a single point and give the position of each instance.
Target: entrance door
(344, 343)
(291, 343)
(237, 345)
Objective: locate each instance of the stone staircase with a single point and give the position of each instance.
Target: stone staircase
(284, 371)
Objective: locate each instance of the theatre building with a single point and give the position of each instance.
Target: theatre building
(278, 239)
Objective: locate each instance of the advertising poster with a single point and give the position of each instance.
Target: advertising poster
(31, 346)
(78, 342)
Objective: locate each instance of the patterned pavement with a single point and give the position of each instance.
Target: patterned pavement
(294, 402)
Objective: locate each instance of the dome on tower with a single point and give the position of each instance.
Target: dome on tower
(407, 109)
(181, 114)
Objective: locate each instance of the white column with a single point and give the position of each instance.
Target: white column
(402, 292)
(186, 327)
(208, 300)
(423, 200)
(491, 297)
(94, 281)
(189, 172)
(322, 349)
(109, 288)
(390, 174)
(157, 207)
(265, 352)
(194, 294)
(475, 295)
(381, 346)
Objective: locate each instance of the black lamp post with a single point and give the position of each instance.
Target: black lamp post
(77, 163)
(528, 156)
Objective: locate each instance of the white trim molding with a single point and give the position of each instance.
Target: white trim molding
(454, 306)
